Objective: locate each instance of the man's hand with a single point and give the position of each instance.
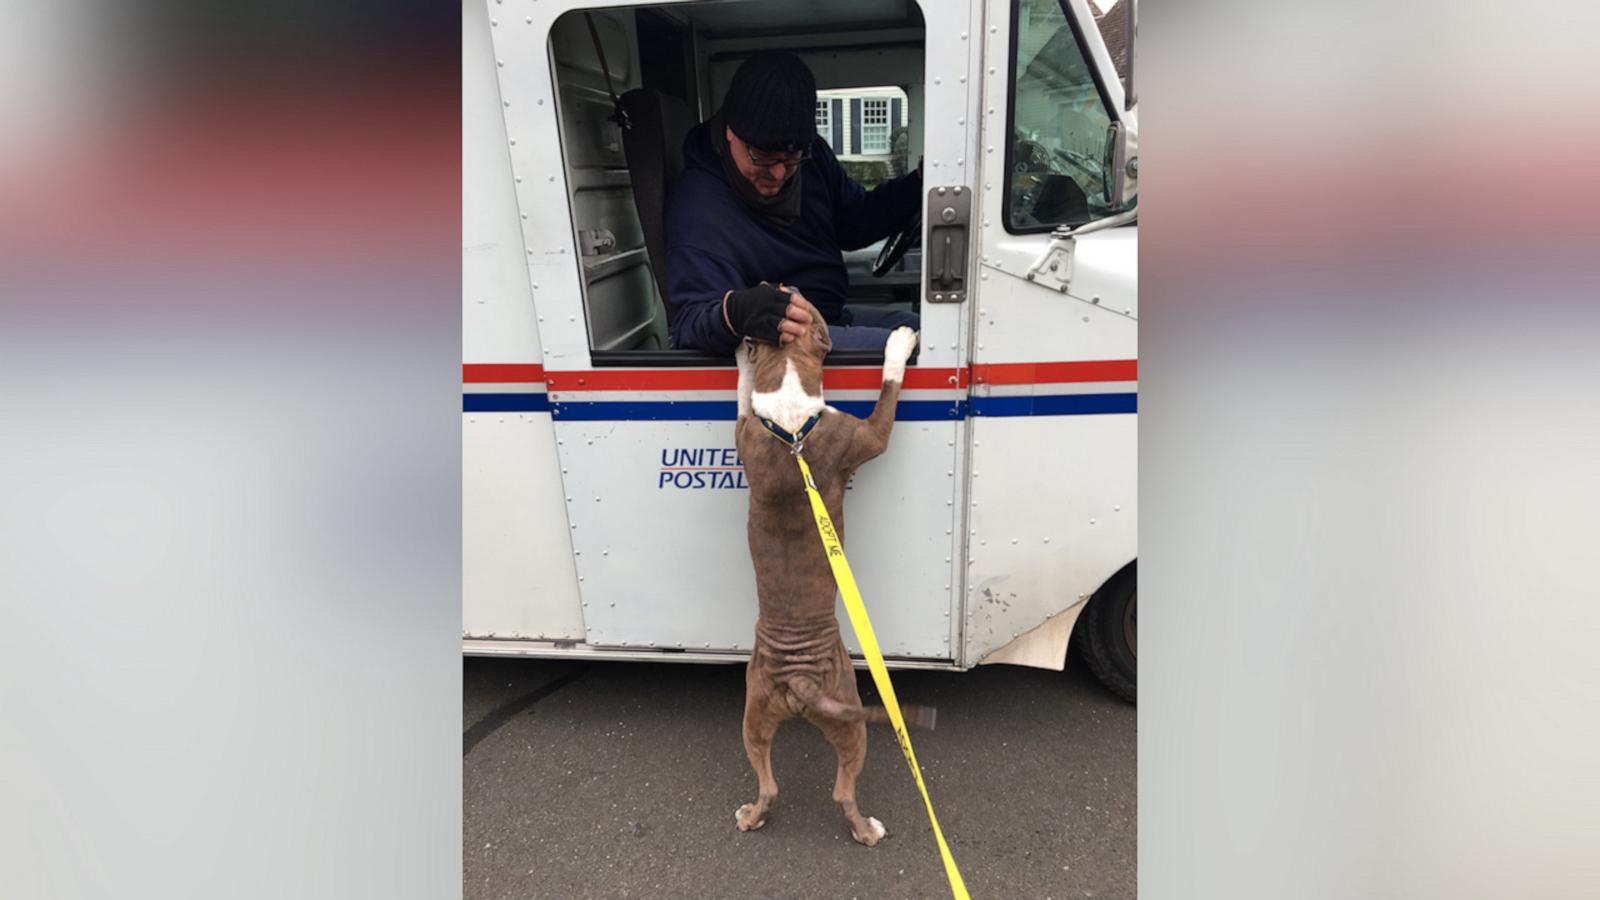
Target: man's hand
(766, 313)
(797, 318)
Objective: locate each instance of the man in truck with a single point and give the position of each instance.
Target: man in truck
(757, 222)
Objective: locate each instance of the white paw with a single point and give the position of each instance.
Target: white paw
(901, 342)
(875, 833)
(745, 818)
(896, 351)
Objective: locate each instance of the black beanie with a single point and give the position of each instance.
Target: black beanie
(772, 103)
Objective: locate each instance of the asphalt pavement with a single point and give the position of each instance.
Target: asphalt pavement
(616, 780)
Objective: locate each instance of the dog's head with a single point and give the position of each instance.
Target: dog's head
(805, 353)
(815, 343)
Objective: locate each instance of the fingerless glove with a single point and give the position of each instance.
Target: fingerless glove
(755, 312)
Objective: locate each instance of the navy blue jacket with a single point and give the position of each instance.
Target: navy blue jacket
(717, 243)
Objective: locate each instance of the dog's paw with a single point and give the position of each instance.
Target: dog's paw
(901, 342)
(896, 351)
(874, 833)
(749, 817)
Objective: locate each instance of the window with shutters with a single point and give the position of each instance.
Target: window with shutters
(869, 128)
(874, 126)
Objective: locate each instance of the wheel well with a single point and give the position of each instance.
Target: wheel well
(1131, 570)
(1104, 633)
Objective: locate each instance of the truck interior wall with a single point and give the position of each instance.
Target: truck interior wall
(623, 307)
(666, 54)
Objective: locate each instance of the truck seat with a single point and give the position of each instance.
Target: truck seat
(653, 145)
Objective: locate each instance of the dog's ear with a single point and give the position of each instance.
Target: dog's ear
(819, 331)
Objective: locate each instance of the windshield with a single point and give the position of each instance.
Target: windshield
(1057, 159)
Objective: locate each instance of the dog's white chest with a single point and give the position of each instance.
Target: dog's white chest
(789, 406)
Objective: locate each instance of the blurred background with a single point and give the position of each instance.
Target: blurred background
(229, 352)
(229, 355)
(1369, 450)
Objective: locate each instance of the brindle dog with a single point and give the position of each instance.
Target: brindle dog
(799, 665)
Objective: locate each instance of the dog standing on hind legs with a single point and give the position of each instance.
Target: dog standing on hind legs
(799, 666)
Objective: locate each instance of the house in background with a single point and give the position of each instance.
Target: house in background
(1114, 29)
(862, 126)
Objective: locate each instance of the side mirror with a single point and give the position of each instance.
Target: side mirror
(1120, 164)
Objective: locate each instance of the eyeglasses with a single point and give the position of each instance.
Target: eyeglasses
(768, 160)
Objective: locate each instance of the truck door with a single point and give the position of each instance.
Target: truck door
(655, 495)
(1053, 407)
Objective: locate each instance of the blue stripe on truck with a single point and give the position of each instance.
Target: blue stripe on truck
(726, 410)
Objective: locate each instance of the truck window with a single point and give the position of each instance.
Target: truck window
(1056, 156)
(677, 61)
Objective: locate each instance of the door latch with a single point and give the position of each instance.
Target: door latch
(594, 242)
(944, 257)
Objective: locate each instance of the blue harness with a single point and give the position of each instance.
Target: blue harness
(796, 440)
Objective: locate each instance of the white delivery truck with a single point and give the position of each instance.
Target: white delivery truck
(604, 504)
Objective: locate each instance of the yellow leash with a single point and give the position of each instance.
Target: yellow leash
(880, 674)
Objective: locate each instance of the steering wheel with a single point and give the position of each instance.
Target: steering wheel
(895, 247)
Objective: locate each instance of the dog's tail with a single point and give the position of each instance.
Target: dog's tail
(827, 707)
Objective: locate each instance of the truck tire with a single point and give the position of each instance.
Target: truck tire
(1106, 634)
